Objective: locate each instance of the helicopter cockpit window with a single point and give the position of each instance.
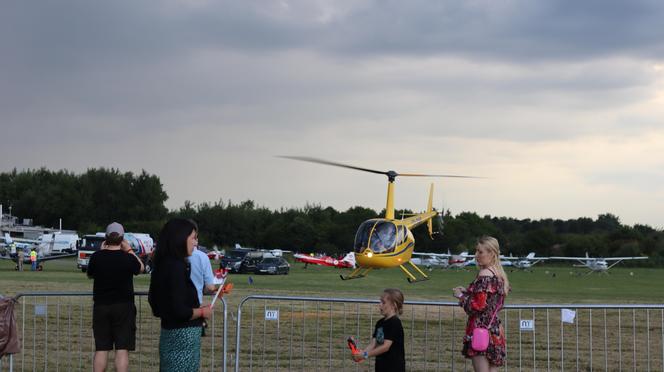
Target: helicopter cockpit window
(383, 237)
(362, 236)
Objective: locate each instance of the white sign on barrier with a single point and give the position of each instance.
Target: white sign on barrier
(271, 314)
(40, 310)
(527, 325)
(567, 315)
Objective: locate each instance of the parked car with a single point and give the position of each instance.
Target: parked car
(250, 261)
(272, 265)
(233, 260)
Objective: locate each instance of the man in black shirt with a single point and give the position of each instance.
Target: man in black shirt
(114, 313)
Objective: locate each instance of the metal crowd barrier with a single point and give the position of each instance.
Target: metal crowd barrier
(56, 334)
(309, 334)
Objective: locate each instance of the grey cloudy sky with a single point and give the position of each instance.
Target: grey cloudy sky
(559, 103)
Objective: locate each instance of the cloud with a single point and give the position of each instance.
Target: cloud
(553, 100)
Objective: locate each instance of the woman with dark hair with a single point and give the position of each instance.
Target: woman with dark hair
(174, 299)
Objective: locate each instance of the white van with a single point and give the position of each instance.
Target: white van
(89, 245)
(57, 243)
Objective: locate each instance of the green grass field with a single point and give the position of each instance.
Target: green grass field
(568, 285)
(311, 328)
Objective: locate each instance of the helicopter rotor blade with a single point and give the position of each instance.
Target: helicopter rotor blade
(326, 162)
(435, 175)
(390, 174)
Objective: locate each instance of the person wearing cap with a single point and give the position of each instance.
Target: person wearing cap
(114, 312)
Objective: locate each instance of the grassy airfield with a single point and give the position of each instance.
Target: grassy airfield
(318, 329)
(568, 285)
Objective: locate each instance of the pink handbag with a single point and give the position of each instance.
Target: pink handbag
(479, 341)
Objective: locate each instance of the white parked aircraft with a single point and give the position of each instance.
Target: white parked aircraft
(11, 244)
(44, 251)
(430, 262)
(443, 260)
(522, 263)
(268, 252)
(596, 264)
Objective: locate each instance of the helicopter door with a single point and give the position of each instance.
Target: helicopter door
(402, 235)
(383, 237)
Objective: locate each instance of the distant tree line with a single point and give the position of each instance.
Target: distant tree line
(87, 202)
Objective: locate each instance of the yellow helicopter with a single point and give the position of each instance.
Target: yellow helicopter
(387, 242)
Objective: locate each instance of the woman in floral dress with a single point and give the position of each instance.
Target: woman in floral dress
(484, 297)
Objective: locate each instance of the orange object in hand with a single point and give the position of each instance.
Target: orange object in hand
(352, 345)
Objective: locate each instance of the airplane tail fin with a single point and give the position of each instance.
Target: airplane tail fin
(349, 258)
(531, 255)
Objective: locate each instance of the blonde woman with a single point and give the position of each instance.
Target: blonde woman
(482, 301)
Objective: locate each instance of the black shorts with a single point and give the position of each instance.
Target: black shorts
(114, 325)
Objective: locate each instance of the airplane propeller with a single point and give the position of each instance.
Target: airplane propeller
(391, 175)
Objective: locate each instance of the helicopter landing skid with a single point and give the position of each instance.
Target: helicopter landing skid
(412, 278)
(360, 272)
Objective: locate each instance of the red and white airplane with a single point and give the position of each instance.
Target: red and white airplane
(348, 261)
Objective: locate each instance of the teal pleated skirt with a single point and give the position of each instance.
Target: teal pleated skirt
(180, 349)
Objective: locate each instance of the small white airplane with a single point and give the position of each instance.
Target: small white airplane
(268, 252)
(522, 263)
(443, 260)
(44, 251)
(430, 262)
(459, 261)
(14, 243)
(597, 264)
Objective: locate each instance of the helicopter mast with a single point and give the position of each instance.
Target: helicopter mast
(389, 207)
